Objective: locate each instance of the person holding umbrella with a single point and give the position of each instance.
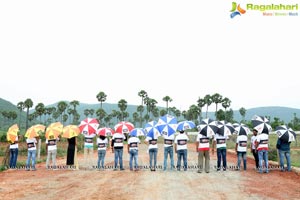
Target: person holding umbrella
(202, 147)
(241, 150)
(13, 152)
(133, 150)
(181, 149)
(220, 143)
(262, 146)
(31, 155)
(284, 152)
(102, 143)
(117, 148)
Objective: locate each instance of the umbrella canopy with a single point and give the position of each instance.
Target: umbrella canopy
(285, 133)
(225, 128)
(137, 132)
(167, 125)
(208, 127)
(70, 131)
(35, 131)
(88, 126)
(123, 127)
(54, 130)
(184, 125)
(241, 129)
(105, 131)
(261, 124)
(12, 133)
(151, 130)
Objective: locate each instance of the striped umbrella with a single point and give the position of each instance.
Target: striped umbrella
(208, 127)
(151, 130)
(167, 125)
(261, 124)
(88, 126)
(285, 133)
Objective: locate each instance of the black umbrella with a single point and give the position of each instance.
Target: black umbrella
(208, 127)
(261, 124)
(285, 133)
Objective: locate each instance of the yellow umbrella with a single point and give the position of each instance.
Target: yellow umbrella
(35, 130)
(54, 130)
(12, 133)
(70, 131)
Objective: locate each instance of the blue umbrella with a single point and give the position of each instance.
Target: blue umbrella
(137, 132)
(151, 130)
(184, 125)
(167, 125)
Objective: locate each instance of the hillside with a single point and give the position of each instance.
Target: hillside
(284, 113)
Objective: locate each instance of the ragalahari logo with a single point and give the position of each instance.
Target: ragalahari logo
(236, 10)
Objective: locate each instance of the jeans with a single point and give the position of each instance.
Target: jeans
(13, 157)
(101, 158)
(31, 155)
(51, 155)
(133, 155)
(182, 155)
(168, 151)
(221, 156)
(263, 156)
(153, 156)
(118, 158)
(255, 155)
(287, 156)
(242, 155)
(201, 156)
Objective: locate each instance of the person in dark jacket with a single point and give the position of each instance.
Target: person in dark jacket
(284, 152)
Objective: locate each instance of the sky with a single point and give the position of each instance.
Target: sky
(71, 50)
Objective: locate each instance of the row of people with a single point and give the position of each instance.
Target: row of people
(259, 149)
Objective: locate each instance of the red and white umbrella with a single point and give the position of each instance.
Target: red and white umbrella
(124, 127)
(88, 126)
(105, 131)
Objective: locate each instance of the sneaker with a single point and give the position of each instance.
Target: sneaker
(27, 169)
(115, 169)
(33, 169)
(199, 171)
(122, 169)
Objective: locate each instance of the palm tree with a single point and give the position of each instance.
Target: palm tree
(74, 103)
(122, 104)
(200, 104)
(243, 111)
(101, 114)
(216, 98)
(208, 101)
(167, 99)
(101, 97)
(143, 94)
(21, 107)
(28, 104)
(226, 104)
(61, 108)
(40, 110)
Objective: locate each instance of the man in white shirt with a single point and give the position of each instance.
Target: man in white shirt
(181, 149)
(202, 147)
(152, 149)
(220, 144)
(102, 143)
(51, 149)
(241, 149)
(14, 150)
(117, 148)
(262, 146)
(31, 155)
(133, 150)
(168, 150)
(88, 150)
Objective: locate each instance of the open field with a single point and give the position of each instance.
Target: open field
(144, 184)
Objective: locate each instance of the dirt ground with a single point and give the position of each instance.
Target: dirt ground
(144, 184)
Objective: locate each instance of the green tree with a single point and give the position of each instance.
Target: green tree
(122, 104)
(28, 104)
(167, 99)
(143, 94)
(21, 107)
(216, 98)
(101, 97)
(200, 104)
(243, 111)
(208, 101)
